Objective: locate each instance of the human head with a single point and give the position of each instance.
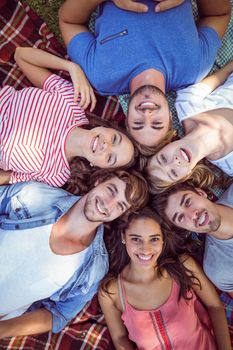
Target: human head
(168, 250)
(114, 194)
(174, 164)
(149, 118)
(188, 208)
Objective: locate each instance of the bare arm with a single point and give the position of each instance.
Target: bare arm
(35, 64)
(219, 77)
(210, 299)
(74, 15)
(114, 322)
(34, 322)
(5, 177)
(215, 14)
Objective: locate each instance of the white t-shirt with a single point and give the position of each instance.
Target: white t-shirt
(197, 99)
(30, 271)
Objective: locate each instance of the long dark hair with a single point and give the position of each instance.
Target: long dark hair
(81, 169)
(169, 260)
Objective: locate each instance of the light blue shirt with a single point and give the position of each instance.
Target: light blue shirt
(32, 204)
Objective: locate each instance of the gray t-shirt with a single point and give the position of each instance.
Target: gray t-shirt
(218, 256)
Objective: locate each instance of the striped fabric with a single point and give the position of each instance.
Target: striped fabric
(20, 26)
(34, 127)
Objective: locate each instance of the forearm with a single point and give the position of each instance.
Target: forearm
(219, 77)
(34, 322)
(40, 58)
(220, 327)
(5, 177)
(78, 12)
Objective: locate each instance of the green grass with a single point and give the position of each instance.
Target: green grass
(48, 10)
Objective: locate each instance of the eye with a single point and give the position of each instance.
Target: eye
(109, 159)
(174, 173)
(180, 218)
(154, 239)
(114, 139)
(111, 191)
(164, 159)
(187, 202)
(135, 239)
(121, 207)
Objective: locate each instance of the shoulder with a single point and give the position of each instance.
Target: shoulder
(188, 262)
(108, 292)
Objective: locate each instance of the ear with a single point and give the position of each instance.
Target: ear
(96, 183)
(201, 192)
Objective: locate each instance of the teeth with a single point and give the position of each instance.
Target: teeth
(95, 144)
(147, 104)
(184, 155)
(202, 220)
(144, 257)
(99, 208)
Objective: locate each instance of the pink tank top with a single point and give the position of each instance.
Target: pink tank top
(175, 325)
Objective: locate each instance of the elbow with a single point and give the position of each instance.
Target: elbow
(18, 54)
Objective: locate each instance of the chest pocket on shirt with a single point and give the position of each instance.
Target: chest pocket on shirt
(19, 209)
(114, 36)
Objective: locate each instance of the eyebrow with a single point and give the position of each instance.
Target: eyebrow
(181, 203)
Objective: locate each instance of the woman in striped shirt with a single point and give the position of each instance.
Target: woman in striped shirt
(42, 127)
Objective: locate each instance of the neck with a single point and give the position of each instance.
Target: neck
(225, 230)
(75, 142)
(203, 139)
(141, 273)
(148, 77)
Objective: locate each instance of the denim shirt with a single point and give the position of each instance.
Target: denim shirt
(33, 204)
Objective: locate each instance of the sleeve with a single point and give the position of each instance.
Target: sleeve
(54, 83)
(63, 311)
(189, 100)
(19, 177)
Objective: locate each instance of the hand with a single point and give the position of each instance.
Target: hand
(82, 87)
(131, 5)
(167, 4)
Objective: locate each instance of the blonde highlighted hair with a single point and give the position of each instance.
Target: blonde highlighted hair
(201, 176)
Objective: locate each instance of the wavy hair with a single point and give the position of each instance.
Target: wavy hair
(201, 176)
(169, 260)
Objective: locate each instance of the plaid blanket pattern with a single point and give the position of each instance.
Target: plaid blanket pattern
(20, 26)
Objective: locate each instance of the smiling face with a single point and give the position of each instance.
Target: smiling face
(173, 162)
(144, 241)
(193, 211)
(148, 115)
(108, 148)
(107, 201)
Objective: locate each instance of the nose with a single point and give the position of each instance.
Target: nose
(109, 204)
(147, 112)
(104, 145)
(177, 160)
(192, 213)
(146, 248)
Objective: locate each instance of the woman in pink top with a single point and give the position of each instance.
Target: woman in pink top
(42, 127)
(149, 297)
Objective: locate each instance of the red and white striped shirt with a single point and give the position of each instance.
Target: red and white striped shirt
(34, 124)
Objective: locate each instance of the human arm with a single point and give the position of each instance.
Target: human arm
(113, 319)
(74, 16)
(35, 64)
(38, 321)
(218, 78)
(215, 14)
(210, 299)
(5, 177)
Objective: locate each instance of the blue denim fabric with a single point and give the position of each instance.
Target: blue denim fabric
(33, 204)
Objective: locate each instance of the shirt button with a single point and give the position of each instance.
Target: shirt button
(17, 209)
(83, 334)
(17, 226)
(44, 221)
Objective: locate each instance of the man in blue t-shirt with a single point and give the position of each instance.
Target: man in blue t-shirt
(144, 54)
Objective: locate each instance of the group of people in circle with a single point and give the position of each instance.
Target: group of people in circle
(150, 184)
